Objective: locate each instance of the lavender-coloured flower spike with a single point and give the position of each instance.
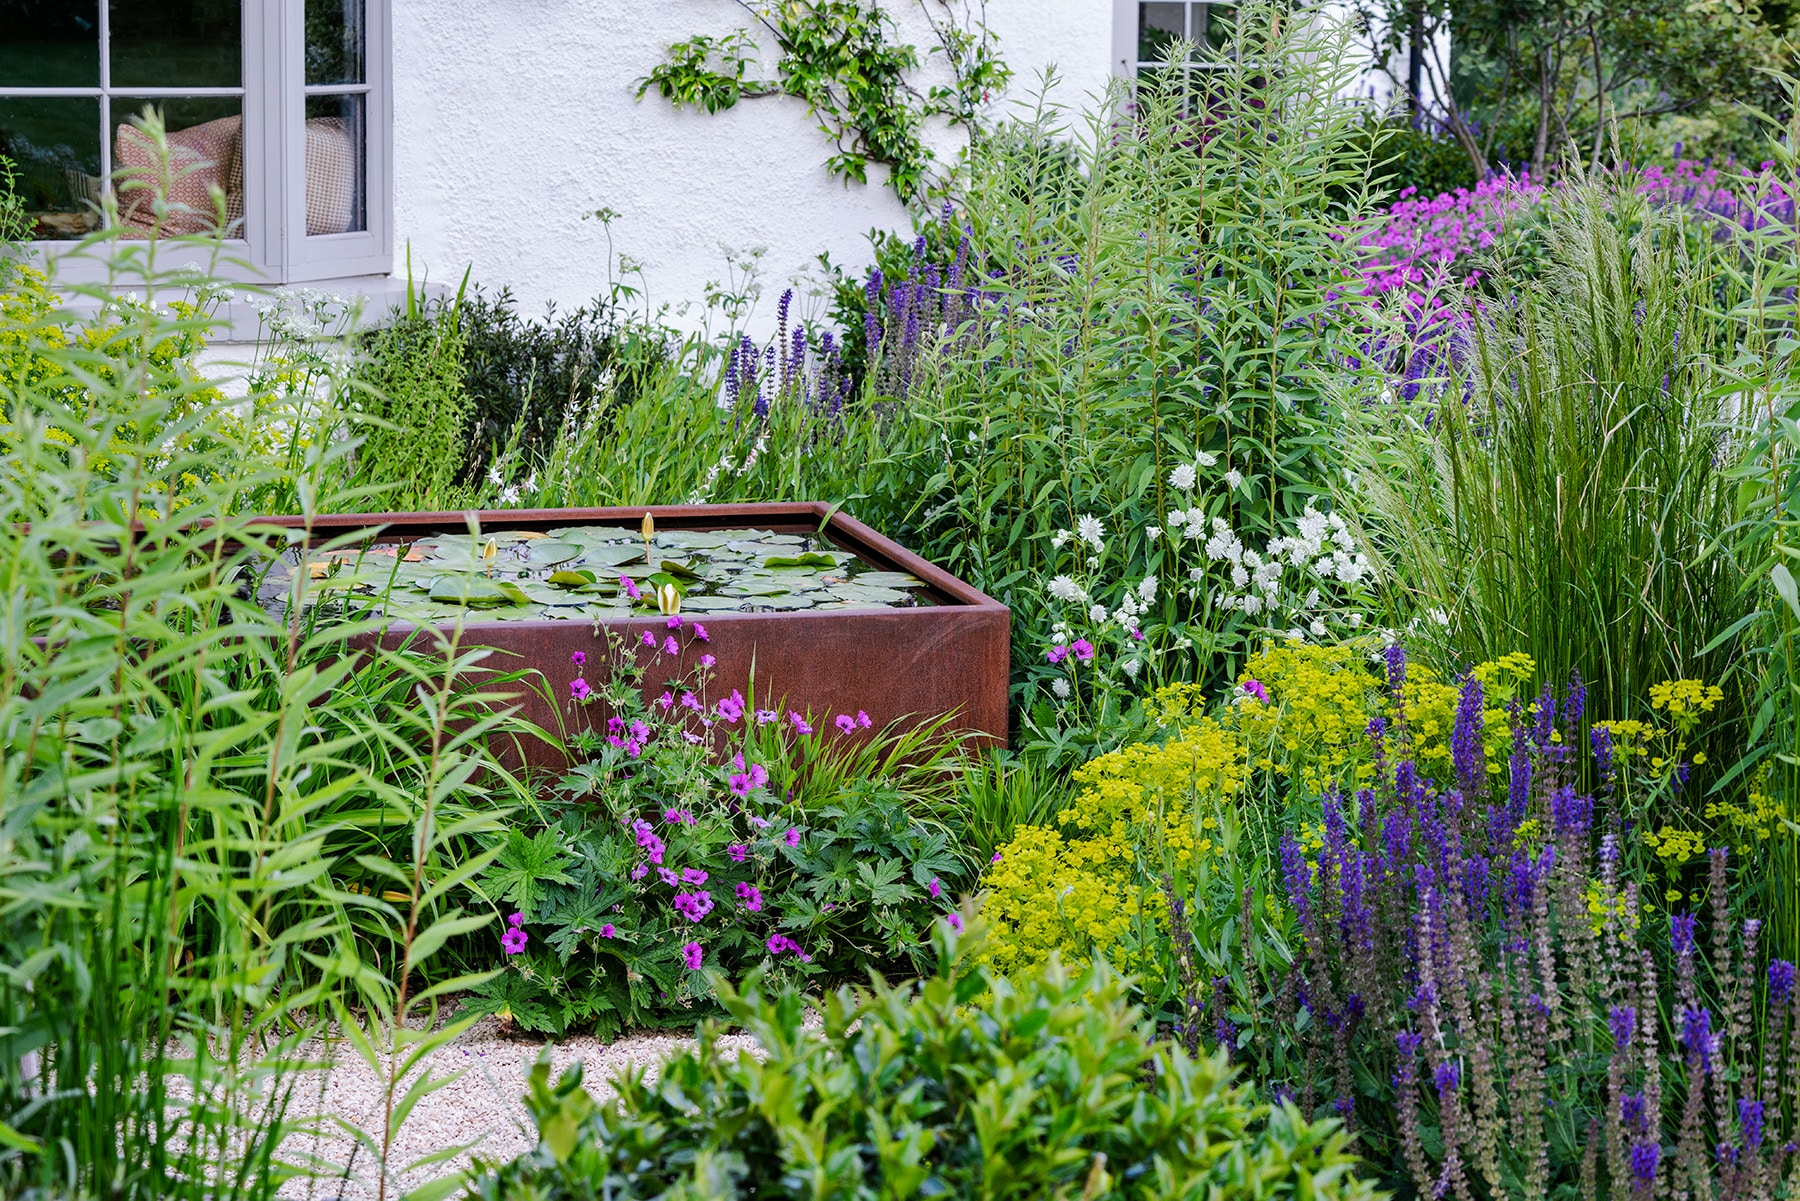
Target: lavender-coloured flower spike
(1622, 1020)
(1750, 1123)
(1681, 933)
(1600, 738)
(1781, 980)
(1574, 703)
(1396, 673)
(1468, 752)
(1643, 1164)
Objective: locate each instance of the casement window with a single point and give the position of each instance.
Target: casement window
(283, 105)
(1145, 34)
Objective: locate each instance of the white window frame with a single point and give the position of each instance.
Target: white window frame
(274, 247)
(1125, 61)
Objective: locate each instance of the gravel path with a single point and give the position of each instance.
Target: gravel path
(482, 1104)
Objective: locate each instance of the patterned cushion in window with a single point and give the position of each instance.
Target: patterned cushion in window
(200, 158)
(330, 177)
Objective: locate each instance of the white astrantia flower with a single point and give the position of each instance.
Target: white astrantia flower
(1196, 575)
(1131, 668)
(1356, 620)
(1251, 603)
(1205, 460)
(1296, 635)
(1058, 538)
(1233, 478)
(1065, 589)
(1097, 613)
(1146, 589)
(1311, 601)
(1152, 532)
(1239, 577)
(1091, 530)
(1318, 628)
(1060, 687)
(1182, 477)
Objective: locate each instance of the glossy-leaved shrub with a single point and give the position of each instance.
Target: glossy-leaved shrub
(961, 1085)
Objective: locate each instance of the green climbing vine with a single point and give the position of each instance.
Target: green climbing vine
(840, 56)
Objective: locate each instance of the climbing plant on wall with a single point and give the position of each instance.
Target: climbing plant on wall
(843, 59)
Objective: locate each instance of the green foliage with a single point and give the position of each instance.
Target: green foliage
(1185, 291)
(745, 841)
(1562, 493)
(964, 1086)
(1405, 157)
(415, 406)
(839, 57)
(207, 811)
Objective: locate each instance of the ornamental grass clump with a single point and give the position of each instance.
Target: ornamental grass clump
(1464, 968)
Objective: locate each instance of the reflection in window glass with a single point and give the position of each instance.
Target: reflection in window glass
(334, 41)
(177, 43)
(1160, 26)
(206, 152)
(50, 45)
(55, 144)
(336, 159)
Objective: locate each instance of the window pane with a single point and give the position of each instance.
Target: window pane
(1160, 26)
(177, 43)
(334, 41)
(50, 45)
(336, 154)
(56, 146)
(1212, 24)
(206, 150)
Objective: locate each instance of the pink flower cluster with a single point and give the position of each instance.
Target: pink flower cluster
(515, 938)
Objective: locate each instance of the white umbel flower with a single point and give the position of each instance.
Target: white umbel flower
(1182, 477)
(1065, 589)
(1090, 530)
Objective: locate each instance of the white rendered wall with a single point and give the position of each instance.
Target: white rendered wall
(512, 120)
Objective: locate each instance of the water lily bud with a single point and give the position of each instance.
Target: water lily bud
(668, 596)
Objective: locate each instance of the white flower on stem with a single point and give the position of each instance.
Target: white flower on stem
(1182, 477)
(1251, 604)
(1146, 589)
(1058, 538)
(1152, 532)
(1091, 531)
(1060, 687)
(1233, 479)
(1311, 601)
(1131, 668)
(1097, 613)
(1093, 562)
(1356, 620)
(1239, 576)
(1206, 460)
(1296, 635)
(1318, 628)
(1065, 589)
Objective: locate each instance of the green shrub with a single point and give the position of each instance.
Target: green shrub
(966, 1087)
(416, 405)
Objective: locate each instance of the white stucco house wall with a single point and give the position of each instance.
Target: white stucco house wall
(358, 137)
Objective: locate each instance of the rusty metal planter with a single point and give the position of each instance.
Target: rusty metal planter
(907, 664)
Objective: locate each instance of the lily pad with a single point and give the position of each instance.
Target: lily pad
(549, 552)
(868, 595)
(573, 579)
(613, 556)
(809, 559)
(888, 579)
(478, 592)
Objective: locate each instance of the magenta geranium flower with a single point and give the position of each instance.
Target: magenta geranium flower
(792, 836)
(759, 775)
(765, 716)
(738, 852)
(607, 931)
(1082, 649)
(693, 875)
(648, 639)
(668, 876)
(732, 707)
(700, 632)
(630, 588)
(674, 621)
(692, 954)
(862, 719)
(740, 784)
(1254, 688)
(846, 723)
(514, 940)
(934, 888)
(578, 658)
(670, 647)
(954, 921)
(640, 871)
(751, 896)
(694, 906)
(666, 701)
(708, 662)
(515, 919)
(799, 723)
(578, 689)
(1057, 653)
